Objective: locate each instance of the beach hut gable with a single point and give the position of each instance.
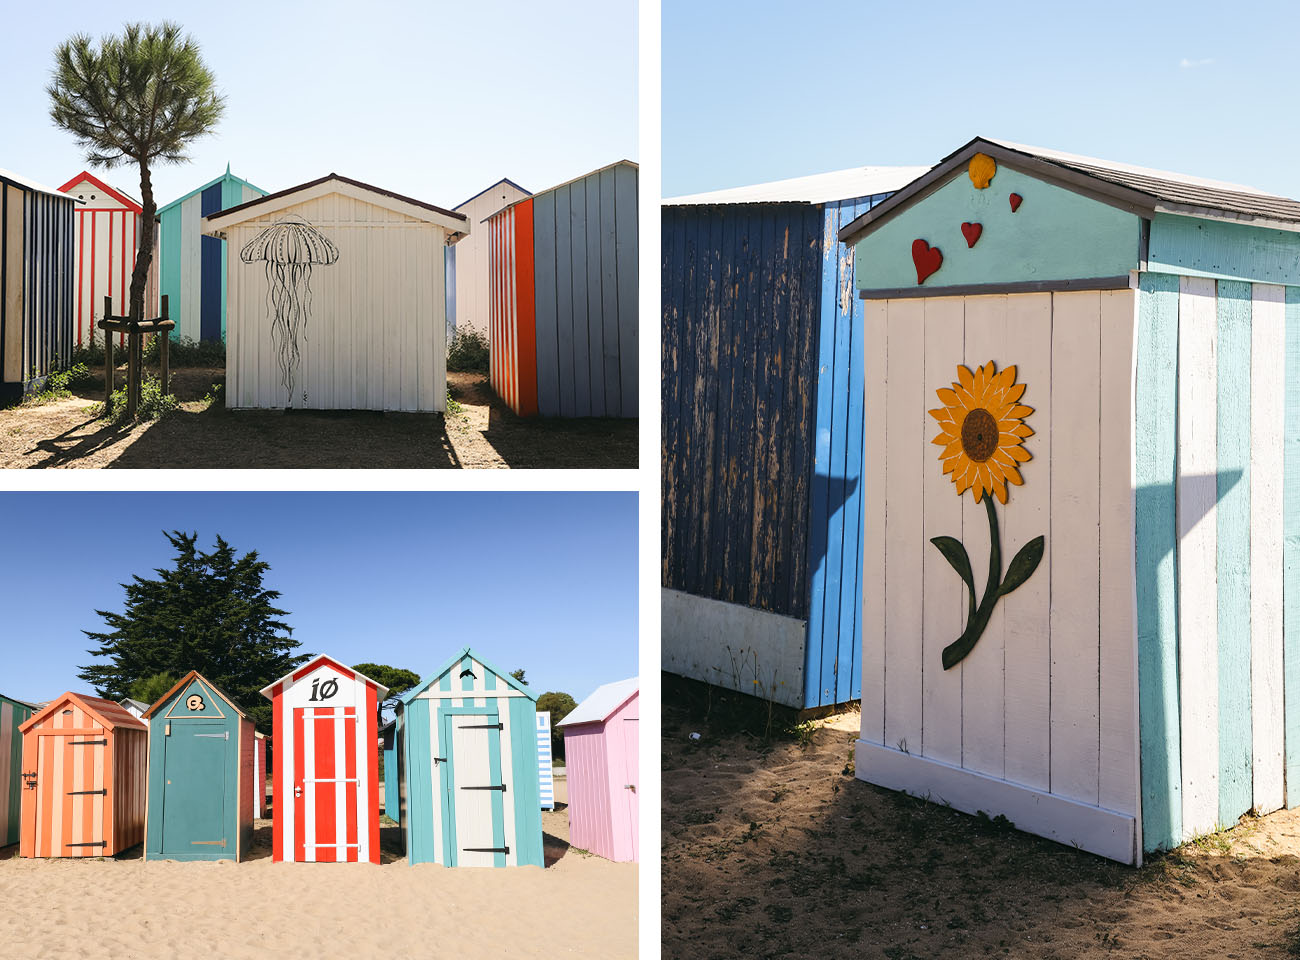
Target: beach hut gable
(83, 184)
(198, 700)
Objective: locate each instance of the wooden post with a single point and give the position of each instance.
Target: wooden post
(162, 349)
(108, 355)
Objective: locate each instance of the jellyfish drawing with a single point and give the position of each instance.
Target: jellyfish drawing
(289, 248)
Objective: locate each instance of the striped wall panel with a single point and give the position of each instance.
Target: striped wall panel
(545, 767)
(12, 715)
(512, 335)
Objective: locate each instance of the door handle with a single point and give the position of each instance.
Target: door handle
(630, 786)
(297, 790)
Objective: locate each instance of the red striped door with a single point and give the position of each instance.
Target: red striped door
(325, 784)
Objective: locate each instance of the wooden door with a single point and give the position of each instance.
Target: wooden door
(68, 794)
(631, 780)
(326, 816)
(196, 758)
(474, 791)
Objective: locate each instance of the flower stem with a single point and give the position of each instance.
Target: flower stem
(956, 651)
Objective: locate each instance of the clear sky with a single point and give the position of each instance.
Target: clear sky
(543, 581)
(769, 89)
(435, 100)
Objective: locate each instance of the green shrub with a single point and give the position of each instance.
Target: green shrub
(154, 404)
(188, 352)
(59, 384)
(468, 352)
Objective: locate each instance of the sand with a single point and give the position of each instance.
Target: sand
(775, 850)
(579, 906)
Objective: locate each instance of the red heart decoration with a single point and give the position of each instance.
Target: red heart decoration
(926, 258)
(971, 231)
(1016, 200)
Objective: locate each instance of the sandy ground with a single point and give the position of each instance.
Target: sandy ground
(579, 906)
(775, 850)
(484, 434)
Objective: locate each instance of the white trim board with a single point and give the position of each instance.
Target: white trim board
(1103, 832)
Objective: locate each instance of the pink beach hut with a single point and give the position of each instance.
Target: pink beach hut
(600, 756)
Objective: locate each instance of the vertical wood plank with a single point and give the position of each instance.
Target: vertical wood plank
(1027, 612)
(1267, 412)
(1197, 554)
(875, 322)
(600, 398)
(625, 249)
(564, 303)
(609, 266)
(1291, 547)
(548, 387)
(577, 274)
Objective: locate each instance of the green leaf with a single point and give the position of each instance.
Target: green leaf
(955, 554)
(1022, 566)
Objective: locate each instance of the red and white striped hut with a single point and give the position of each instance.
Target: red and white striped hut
(325, 771)
(106, 239)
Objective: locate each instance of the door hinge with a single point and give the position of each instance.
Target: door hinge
(500, 786)
(505, 850)
(484, 726)
(215, 736)
(88, 743)
(439, 759)
(96, 843)
(88, 793)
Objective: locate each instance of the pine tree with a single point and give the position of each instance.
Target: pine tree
(207, 612)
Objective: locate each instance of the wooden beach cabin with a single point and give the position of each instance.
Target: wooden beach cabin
(326, 764)
(13, 713)
(192, 267)
(762, 436)
(259, 775)
(564, 303)
(469, 278)
(37, 323)
(202, 779)
(1108, 357)
(337, 298)
(600, 763)
(467, 750)
(83, 779)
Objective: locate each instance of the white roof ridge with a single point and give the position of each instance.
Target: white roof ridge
(831, 185)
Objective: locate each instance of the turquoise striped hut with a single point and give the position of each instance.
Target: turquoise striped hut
(192, 267)
(13, 713)
(467, 756)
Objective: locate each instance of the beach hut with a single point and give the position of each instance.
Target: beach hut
(325, 729)
(762, 436)
(259, 774)
(12, 715)
(136, 708)
(392, 779)
(83, 779)
(600, 764)
(192, 266)
(467, 749)
(202, 782)
(107, 236)
(564, 304)
(337, 298)
(469, 282)
(36, 270)
(1084, 376)
(545, 762)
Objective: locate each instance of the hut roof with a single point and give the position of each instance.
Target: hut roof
(225, 176)
(270, 689)
(489, 187)
(1137, 189)
(181, 684)
(818, 188)
(423, 685)
(582, 176)
(128, 702)
(107, 712)
(21, 703)
(602, 703)
(120, 195)
(8, 176)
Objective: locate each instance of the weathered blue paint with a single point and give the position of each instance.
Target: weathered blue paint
(212, 277)
(1212, 248)
(1233, 538)
(1157, 539)
(1056, 234)
(1291, 548)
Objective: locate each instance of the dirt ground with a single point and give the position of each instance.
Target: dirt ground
(771, 848)
(201, 434)
(579, 906)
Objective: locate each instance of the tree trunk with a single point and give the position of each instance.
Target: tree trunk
(140, 274)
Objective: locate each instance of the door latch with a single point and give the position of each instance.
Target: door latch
(630, 786)
(29, 779)
(297, 790)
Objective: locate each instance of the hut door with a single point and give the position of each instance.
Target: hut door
(70, 795)
(196, 757)
(631, 781)
(325, 816)
(475, 792)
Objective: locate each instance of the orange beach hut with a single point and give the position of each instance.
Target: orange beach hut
(83, 773)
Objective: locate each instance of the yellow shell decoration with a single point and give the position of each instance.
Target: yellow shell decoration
(982, 168)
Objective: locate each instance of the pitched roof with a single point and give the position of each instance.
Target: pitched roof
(424, 684)
(119, 195)
(598, 707)
(181, 684)
(526, 193)
(582, 176)
(817, 188)
(268, 691)
(225, 176)
(26, 184)
(21, 703)
(107, 712)
(1137, 189)
(130, 703)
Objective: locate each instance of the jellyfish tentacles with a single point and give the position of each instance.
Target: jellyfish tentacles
(289, 247)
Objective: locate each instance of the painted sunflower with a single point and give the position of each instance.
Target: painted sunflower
(982, 430)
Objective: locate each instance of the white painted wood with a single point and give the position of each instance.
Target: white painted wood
(1198, 618)
(873, 544)
(943, 595)
(1117, 787)
(1107, 833)
(983, 674)
(905, 448)
(1075, 544)
(389, 210)
(188, 321)
(473, 278)
(1267, 402)
(1026, 612)
(473, 807)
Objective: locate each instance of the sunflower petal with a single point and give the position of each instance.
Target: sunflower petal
(1022, 430)
(1001, 490)
(965, 376)
(1007, 377)
(1013, 476)
(1015, 391)
(951, 450)
(1021, 411)
(947, 397)
(1019, 453)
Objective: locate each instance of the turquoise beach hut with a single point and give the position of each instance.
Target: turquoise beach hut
(192, 267)
(467, 756)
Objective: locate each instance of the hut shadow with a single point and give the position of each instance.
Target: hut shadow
(263, 840)
(553, 849)
(562, 442)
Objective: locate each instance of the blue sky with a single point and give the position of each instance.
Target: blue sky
(433, 100)
(765, 90)
(543, 581)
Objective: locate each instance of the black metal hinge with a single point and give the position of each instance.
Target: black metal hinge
(88, 793)
(439, 759)
(505, 850)
(88, 743)
(97, 843)
(501, 787)
(485, 726)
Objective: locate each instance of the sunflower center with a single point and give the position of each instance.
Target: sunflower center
(979, 435)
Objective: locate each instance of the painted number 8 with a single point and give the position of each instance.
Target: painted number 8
(194, 702)
(327, 689)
